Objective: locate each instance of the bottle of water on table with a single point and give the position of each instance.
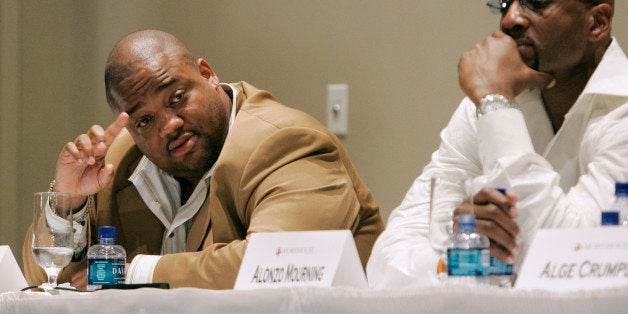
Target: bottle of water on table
(468, 254)
(106, 261)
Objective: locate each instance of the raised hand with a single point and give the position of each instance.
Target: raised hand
(80, 167)
(495, 67)
(495, 214)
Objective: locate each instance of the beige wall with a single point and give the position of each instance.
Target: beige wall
(399, 58)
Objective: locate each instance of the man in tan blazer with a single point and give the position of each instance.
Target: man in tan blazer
(199, 166)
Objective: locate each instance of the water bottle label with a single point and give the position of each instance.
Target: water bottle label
(499, 268)
(468, 262)
(105, 271)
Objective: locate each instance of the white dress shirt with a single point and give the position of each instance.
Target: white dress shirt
(561, 180)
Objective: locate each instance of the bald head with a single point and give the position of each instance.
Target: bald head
(140, 48)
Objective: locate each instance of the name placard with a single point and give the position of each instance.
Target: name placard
(10, 272)
(301, 258)
(576, 259)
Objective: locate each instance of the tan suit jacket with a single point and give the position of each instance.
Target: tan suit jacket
(279, 170)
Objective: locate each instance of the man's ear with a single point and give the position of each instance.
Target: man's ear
(206, 71)
(601, 20)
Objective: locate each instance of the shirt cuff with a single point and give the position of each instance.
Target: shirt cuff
(502, 133)
(78, 226)
(79, 216)
(142, 268)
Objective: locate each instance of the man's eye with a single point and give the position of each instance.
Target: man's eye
(536, 5)
(177, 98)
(143, 121)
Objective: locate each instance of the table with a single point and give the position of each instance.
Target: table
(438, 299)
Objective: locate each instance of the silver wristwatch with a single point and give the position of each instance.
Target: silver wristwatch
(494, 102)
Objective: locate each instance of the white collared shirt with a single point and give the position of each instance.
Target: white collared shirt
(562, 180)
(161, 193)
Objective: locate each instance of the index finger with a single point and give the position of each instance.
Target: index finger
(488, 195)
(114, 129)
(499, 34)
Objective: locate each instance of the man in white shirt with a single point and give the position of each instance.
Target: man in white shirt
(546, 118)
(199, 166)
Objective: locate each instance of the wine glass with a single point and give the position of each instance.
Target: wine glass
(53, 243)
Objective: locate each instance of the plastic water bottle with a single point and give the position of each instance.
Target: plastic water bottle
(500, 272)
(468, 254)
(106, 261)
(621, 202)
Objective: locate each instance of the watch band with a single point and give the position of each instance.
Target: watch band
(494, 102)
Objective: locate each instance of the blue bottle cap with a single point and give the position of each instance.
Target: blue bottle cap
(106, 232)
(621, 189)
(610, 218)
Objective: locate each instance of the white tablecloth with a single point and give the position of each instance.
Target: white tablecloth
(444, 299)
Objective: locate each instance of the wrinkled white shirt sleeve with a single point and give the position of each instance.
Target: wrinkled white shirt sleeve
(562, 180)
(542, 203)
(499, 153)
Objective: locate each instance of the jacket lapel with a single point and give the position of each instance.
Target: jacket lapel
(201, 234)
(199, 228)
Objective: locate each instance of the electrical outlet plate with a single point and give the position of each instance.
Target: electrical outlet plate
(338, 108)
